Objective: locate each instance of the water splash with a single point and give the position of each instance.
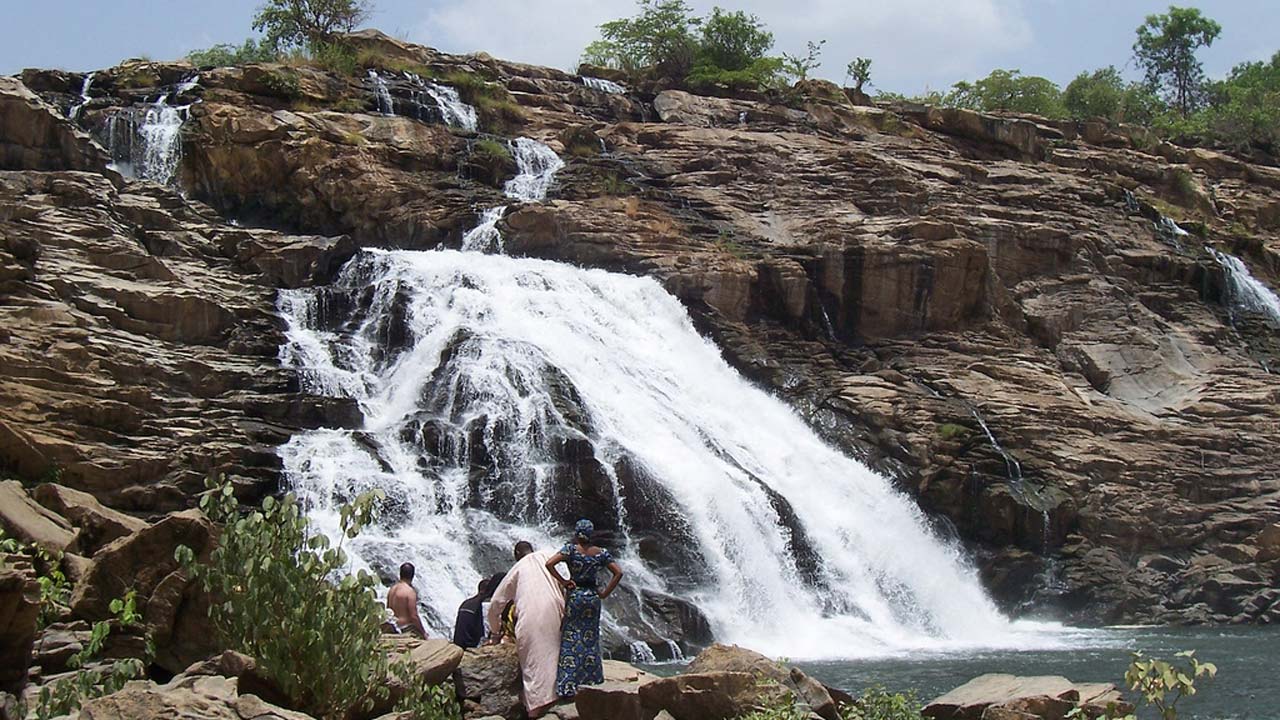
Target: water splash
(485, 236)
(1246, 293)
(607, 86)
(642, 654)
(73, 113)
(480, 376)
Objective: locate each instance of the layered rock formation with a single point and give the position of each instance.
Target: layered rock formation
(985, 308)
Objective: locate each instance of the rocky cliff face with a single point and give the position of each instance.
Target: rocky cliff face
(989, 309)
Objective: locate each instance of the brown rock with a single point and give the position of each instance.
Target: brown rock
(19, 608)
(35, 136)
(193, 698)
(98, 524)
(612, 701)
(24, 519)
(1049, 697)
(731, 658)
(488, 682)
(708, 696)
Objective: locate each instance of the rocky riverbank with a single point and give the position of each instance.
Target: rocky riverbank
(986, 308)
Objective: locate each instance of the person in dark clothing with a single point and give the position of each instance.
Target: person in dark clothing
(468, 628)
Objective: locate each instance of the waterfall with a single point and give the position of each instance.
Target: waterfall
(485, 237)
(73, 113)
(146, 144)
(382, 93)
(1244, 291)
(446, 105)
(454, 111)
(642, 654)
(493, 388)
(603, 85)
(536, 166)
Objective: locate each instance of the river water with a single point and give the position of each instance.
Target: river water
(1246, 687)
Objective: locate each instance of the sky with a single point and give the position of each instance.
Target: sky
(914, 44)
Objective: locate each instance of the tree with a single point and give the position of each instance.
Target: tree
(1166, 50)
(661, 38)
(799, 67)
(1245, 108)
(733, 40)
(1099, 94)
(859, 71)
(1010, 91)
(307, 23)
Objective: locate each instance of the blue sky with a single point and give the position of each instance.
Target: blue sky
(915, 44)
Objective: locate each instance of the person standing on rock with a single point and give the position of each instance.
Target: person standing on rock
(468, 628)
(402, 600)
(539, 606)
(580, 661)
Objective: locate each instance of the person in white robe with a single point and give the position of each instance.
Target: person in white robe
(539, 609)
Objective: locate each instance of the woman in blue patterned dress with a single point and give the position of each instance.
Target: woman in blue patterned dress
(580, 662)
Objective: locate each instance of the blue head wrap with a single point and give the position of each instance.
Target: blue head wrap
(584, 529)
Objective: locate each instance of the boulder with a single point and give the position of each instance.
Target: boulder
(25, 519)
(708, 696)
(1008, 696)
(618, 697)
(731, 658)
(172, 609)
(1268, 543)
(35, 136)
(19, 608)
(433, 660)
(184, 698)
(56, 644)
(488, 682)
(98, 523)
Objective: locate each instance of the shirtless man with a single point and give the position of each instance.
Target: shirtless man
(403, 601)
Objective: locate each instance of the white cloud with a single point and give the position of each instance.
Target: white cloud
(912, 42)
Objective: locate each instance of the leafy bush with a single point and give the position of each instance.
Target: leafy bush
(797, 66)
(1162, 684)
(226, 54)
(67, 694)
(422, 700)
(859, 72)
(1008, 90)
(55, 589)
(333, 56)
(876, 703)
(489, 148)
(274, 598)
(283, 84)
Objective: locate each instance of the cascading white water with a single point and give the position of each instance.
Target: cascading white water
(454, 111)
(536, 166)
(1244, 291)
(603, 85)
(462, 360)
(485, 237)
(73, 113)
(382, 94)
(147, 145)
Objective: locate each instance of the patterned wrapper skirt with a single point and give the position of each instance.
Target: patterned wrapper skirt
(580, 662)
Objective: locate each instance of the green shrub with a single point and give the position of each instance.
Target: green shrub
(227, 55)
(1010, 91)
(284, 84)
(335, 57)
(490, 149)
(951, 431)
(876, 703)
(422, 700)
(273, 597)
(1160, 684)
(55, 589)
(67, 694)
(351, 105)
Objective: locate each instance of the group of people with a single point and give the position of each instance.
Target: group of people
(554, 621)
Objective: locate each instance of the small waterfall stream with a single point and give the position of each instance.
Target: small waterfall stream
(445, 104)
(1246, 293)
(73, 113)
(146, 143)
(607, 86)
(536, 167)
